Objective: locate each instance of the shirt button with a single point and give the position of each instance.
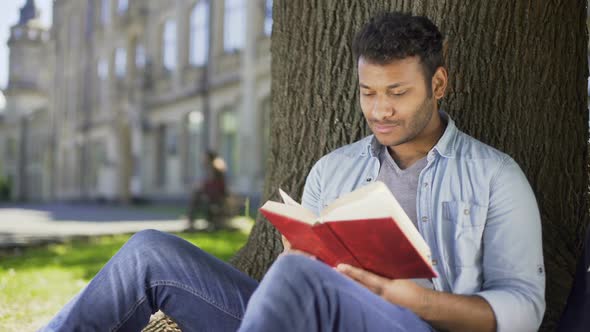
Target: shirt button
(425, 219)
(466, 212)
(434, 262)
(425, 184)
(369, 179)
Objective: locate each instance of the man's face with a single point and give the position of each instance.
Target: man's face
(395, 100)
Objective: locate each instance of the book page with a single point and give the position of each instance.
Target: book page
(375, 201)
(287, 199)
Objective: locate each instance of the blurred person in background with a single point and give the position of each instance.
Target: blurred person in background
(208, 196)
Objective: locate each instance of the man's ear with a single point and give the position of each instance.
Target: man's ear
(439, 83)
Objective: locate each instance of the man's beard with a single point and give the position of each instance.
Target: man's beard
(417, 123)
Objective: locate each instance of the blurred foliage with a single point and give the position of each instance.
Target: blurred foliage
(36, 283)
(4, 189)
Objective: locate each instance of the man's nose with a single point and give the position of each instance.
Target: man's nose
(382, 108)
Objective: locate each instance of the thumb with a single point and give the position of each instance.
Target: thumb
(286, 243)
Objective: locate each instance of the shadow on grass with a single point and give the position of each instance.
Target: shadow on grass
(90, 255)
(92, 212)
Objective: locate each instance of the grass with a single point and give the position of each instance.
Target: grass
(37, 283)
(164, 209)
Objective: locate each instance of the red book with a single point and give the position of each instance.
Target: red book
(366, 228)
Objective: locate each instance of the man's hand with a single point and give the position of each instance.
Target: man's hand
(288, 250)
(442, 310)
(403, 292)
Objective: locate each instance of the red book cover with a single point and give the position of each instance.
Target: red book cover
(387, 246)
(382, 248)
(317, 240)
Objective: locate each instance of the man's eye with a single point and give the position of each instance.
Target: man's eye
(367, 94)
(399, 93)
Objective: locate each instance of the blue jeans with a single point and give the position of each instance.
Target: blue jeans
(158, 271)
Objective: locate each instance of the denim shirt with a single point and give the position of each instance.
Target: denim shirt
(475, 209)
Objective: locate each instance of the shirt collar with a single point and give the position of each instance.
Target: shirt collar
(445, 145)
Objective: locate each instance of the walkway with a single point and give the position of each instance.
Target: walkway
(26, 224)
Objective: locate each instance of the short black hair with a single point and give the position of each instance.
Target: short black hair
(395, 36)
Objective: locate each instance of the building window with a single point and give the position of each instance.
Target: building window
(33, 34)
(267, 17)
(122, 6)
(234, 27)
(103, 69)
(105, 11)
(10, 149)
(199, 47)
(171, 137)
(17, 33)
(140, 57)
(169, 47)
(120, 62)
(97, 161)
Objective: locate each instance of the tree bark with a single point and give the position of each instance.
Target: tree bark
(518, 73)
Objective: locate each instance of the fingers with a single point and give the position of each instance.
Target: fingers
(288, 249)
(372, 281)
(286, 243)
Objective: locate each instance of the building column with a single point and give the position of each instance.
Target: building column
(181, 45)
(20, 180)
(136, 148)
(125, 160)
(249, 145)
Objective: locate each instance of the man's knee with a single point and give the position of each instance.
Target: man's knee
(298, 269)
(148, 237)
(153, 242)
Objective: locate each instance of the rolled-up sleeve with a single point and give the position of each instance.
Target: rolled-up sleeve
(513, 268)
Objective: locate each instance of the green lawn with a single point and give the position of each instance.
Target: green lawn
(34, 285)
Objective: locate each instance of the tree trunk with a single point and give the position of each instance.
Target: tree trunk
(518, 73)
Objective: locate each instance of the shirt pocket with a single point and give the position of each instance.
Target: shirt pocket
(465, 222)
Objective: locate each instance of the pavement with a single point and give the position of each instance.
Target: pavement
(30, 224)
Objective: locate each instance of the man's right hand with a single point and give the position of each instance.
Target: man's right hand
(288, 250)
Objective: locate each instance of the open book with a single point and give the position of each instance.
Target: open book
(366, 228)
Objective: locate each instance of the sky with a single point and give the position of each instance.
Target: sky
(9, 13)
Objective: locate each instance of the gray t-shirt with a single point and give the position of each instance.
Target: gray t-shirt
(403, 184)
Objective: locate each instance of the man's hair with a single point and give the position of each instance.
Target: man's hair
(395, 36)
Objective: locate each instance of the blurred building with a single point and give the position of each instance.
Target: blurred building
(125, 96)
(26, 128)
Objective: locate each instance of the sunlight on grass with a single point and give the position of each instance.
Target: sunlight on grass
(36, 284)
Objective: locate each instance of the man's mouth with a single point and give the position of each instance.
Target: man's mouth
(384, 128)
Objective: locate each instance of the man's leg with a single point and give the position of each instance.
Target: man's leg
(300, 294)
(158, 271)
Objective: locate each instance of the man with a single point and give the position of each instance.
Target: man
(471, 203)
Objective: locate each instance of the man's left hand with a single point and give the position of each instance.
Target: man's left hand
(444, 311)
(403, 292)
